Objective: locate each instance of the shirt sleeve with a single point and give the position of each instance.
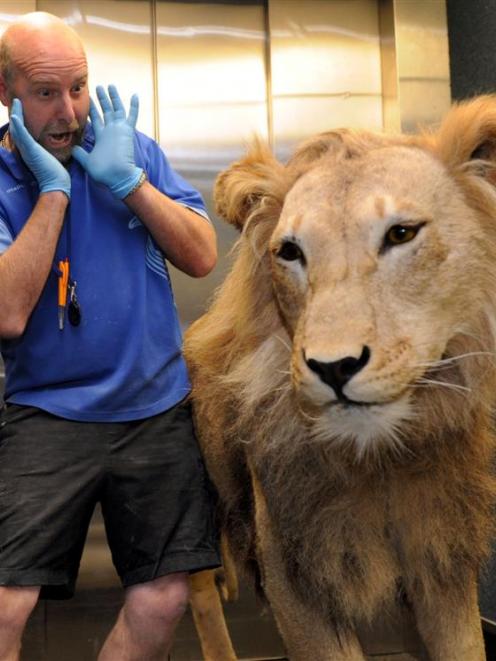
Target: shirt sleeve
(200, 212)
(6, 238)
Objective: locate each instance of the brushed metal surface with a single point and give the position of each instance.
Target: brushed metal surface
(422, 56)
(212, 97)
(325, 68)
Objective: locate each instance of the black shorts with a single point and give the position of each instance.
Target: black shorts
(148, 475)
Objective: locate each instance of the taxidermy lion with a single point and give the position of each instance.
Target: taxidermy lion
(343, 380)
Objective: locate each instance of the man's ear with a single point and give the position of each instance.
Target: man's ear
(468, 133)
(5, 97)
(256, 179)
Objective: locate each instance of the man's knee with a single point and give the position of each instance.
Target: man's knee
(16, 604)
(163, 598)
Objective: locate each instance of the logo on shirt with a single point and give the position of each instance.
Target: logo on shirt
(14, 189)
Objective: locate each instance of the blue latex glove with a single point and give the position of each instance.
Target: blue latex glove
(48, 171)
(111, 162)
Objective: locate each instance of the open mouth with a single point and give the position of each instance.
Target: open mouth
(60, 139)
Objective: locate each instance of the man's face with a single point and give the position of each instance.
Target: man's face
(52, 86)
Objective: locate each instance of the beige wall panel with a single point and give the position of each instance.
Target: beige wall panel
(10, 10)
(422, 54)
(211, 67)
(213, 97)
(325, 47)
(227, 128)
(326, 68)
(300, 117)
(118, 40)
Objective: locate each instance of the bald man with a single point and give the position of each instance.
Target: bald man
(96, 386)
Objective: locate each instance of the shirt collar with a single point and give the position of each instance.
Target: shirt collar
(12, 160)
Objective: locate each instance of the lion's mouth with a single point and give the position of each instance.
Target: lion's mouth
(347, 403)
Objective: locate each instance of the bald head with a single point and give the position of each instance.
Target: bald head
(43, 64)
(32, 36)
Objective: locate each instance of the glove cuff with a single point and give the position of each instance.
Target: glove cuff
(50, 188)
(128, 185)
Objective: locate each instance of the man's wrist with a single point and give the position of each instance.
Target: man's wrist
(53, 200)
(129, 185)
(138, 184)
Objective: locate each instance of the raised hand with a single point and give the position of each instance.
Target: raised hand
(111, 162)
(48, 171)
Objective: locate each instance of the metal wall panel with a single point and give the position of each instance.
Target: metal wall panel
(421, 38)
(325, 68)
(212, 94)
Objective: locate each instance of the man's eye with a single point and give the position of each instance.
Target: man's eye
(290, 252)
(398, 234)
(44, 93)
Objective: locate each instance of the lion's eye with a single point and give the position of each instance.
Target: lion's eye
(290, 252)
(398, 234)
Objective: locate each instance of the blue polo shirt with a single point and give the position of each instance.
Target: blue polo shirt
(124, 361)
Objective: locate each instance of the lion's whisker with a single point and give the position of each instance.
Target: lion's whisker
(285, 388)
(453, 359)
(445, 384)
(283, 342)
(307, 415)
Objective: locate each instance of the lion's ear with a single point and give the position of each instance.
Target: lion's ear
(318, 146)
(467, 133)
(240, 189)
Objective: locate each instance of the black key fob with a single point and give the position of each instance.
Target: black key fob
(74, 313)
(73, 309)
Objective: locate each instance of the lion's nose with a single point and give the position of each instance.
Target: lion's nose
(337, 373)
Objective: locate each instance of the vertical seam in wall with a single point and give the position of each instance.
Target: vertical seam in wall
(268, 75)
(154, 47)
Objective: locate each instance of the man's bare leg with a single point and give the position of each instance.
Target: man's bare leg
(16, 604)
(145, 626)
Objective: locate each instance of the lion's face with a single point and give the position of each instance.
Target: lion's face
(373, 265)
(376, 255)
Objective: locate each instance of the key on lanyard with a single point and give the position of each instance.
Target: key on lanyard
(73, 309)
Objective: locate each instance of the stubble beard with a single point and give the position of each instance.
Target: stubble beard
(62, 154)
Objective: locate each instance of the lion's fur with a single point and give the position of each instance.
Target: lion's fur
(356, 517)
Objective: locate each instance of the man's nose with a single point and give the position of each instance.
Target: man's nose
(65, 110)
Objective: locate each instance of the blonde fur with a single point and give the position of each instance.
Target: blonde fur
(343, 504)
